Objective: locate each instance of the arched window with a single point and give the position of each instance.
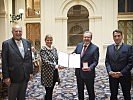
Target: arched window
(78, 22)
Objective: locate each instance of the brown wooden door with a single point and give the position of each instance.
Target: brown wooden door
(33, 34)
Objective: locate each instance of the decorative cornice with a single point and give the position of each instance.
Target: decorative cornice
(65, 18)
(2, 14)
(95, 17)
(125, 16)
(61, 18)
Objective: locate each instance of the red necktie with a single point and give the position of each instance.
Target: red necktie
(84, 50)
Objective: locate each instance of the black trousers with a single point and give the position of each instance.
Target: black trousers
(49, 92)
(17, 91)
(125, 83)
(89, 85)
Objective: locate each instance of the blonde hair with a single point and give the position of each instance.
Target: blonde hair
(48, 36)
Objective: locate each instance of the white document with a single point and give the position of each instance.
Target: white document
(74, 60)
(63, 59)
(69, 60)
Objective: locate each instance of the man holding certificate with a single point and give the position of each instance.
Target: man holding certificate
(89, 60)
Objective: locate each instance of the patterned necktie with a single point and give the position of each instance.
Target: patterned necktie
(116, 47)
(84, 50)
(116, 51)
(20, 47)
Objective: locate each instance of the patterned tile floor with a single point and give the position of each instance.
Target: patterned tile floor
(67, 90)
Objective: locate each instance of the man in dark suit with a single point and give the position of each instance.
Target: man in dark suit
(89, 60)
(118, 64)
(17, 66)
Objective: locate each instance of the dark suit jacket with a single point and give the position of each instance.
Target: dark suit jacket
(14, 66)
(91, 56)
(123, 62)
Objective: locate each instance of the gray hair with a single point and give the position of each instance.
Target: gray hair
(16, 26)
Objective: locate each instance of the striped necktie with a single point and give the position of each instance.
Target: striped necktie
(116, 47)
(20, 47)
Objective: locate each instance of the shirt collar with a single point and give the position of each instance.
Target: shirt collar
(86, 45)
(118, 44)
(18, 40)
(49, 47)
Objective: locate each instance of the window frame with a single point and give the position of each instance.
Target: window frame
(126, 12)
(32, 9)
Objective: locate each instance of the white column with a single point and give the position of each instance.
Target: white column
(61, 33)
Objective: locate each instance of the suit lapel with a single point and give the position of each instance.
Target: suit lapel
(25, 47)
(119, 51)
(116, 54)
(81, 47)
(112, 51)
(87, 49)
(15, 47)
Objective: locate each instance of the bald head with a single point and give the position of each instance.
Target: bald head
(16, 26)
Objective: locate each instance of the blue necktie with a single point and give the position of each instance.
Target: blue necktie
(116, 47)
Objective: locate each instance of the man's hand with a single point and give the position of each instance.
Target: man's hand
(111, 73)
(60, 67)
(86, 69)
(7, 81)
(31, 76)
(118, 74)
(115, 74)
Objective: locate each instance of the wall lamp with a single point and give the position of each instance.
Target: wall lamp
(15, 18)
